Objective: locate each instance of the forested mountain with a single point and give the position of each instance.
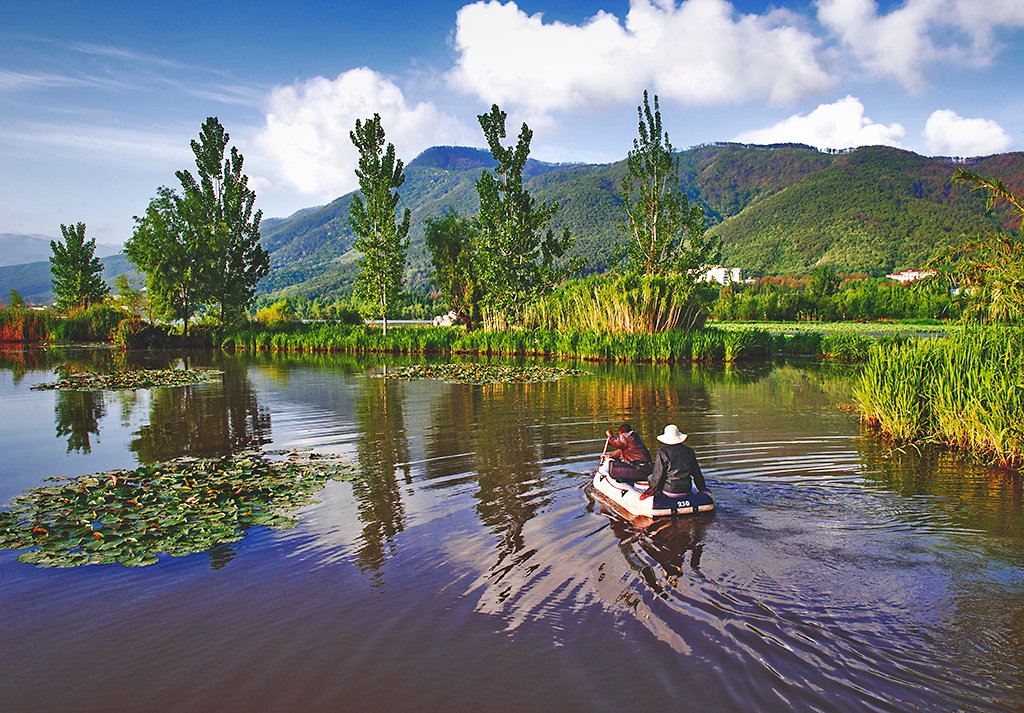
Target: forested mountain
(778, 209)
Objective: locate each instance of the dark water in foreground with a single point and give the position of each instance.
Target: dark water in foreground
(472, 572)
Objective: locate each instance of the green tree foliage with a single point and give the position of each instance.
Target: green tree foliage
(665, 232)
(15, 300)
(824, 281)
(77, 272)
(518, 254)
(201, 245)
(451, 240)
(381, 239)
(173, 256)
(991, 268)
(218, 207)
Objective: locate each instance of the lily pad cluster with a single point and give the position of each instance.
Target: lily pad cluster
(176, 508)
(481, 373)
(134, 379)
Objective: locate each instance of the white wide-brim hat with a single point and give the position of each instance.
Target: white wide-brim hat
(672, 436)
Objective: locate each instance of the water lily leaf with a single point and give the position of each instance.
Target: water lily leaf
(177, 508)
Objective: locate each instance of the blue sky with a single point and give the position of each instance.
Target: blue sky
(98, 100)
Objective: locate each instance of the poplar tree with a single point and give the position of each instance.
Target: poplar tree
(77, 274)
(218, 208)
(516, 254)
(201, 245)
(380, 237)
(665, 232)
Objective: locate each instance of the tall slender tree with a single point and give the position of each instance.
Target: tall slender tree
(218, 205)
(77, 274)
(665, 232)
(517, 253)
(380, 237)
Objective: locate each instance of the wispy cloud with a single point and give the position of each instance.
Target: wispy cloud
(109, 143)
(907, 41)
(14, 81)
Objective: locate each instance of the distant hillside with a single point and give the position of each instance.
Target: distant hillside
(778, 209)
(32, 280)
(18, 249)
(874, 210)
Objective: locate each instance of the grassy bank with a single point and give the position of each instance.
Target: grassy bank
(701, 346)
(898, 327)
(965, 390)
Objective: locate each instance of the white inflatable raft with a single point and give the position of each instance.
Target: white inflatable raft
(626, 496)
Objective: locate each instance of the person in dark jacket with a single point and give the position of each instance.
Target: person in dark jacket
(631, 461)
(675, 467)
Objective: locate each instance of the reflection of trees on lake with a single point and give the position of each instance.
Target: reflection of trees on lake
(967, 495)
(77, 415)
(203, 420)
(509, 447)
(380, 420)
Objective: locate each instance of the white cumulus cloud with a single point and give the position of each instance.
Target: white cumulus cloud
(904, 42)
(697, 52)
(308, 124)
(949, 134)
(839, 125)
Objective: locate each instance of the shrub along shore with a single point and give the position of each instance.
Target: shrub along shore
(704, 346)
(965, 390)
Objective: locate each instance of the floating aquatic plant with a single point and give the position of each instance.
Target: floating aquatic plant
(176, 508)
(134, 379)
(480, 373)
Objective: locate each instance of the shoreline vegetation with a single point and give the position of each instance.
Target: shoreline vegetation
(965, 390)
(708, 345)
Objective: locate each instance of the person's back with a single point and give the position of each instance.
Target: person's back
(675, 466)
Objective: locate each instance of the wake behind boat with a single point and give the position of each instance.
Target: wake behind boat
(627, 497)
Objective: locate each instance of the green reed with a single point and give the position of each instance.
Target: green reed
(966, 390)
(677, 346)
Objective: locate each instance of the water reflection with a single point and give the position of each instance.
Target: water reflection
(77, 415)
(203, 420)
(382, 447)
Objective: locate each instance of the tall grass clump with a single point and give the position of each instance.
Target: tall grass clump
(966, 390)
(630, 304)
(93, 324)
(845, 346)
(23, 325)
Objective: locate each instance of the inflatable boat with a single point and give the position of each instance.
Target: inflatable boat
(626, 496)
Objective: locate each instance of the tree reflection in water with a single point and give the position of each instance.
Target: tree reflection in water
(204, 420)
(382, 447)
(77, 415)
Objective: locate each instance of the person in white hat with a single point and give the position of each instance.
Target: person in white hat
(675, 467)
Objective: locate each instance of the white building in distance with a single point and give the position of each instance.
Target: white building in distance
(721, 275)
(910, 275)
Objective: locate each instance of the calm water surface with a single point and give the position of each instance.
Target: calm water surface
(472, 571)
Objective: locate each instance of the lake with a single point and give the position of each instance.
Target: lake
(471, 570)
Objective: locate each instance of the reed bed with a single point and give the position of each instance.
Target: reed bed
(965, 390)
(677, 346)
